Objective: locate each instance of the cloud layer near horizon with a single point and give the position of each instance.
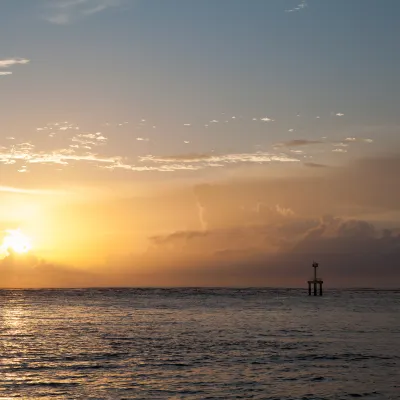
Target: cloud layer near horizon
(257, 232)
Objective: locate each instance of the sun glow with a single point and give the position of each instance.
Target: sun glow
(15, 241)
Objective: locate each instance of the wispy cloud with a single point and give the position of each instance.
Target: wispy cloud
(11, 62)
(192, 157)
(196, 162)
(80, 149)
(221, 159)
(353, 139)
(64, 12)
(299, 7)
(10, 189)
(298, 142)
(315, 165)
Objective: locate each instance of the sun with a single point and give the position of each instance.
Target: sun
(16, 241)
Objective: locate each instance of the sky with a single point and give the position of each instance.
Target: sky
(199, 143)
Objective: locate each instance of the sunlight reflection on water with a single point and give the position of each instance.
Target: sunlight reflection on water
(193, 343)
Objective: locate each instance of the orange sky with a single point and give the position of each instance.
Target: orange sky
(199, 143)
(240, 231)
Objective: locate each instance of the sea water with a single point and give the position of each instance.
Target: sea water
(199, 344)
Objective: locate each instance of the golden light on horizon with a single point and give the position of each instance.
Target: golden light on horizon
(15, 241)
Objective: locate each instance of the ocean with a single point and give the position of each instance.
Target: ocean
(199, 344)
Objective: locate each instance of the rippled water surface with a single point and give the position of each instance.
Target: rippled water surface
(199, 344)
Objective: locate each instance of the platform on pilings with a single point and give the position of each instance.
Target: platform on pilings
(315, 283)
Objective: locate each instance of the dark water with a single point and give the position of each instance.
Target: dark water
(199, 344)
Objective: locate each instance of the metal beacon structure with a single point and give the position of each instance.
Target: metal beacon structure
(316, 283)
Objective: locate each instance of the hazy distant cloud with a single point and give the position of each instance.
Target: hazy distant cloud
(64, 12)
(314, 165)
(2, 73)
(299, 7)
(354, 139)
(298, 142)
(258, 231)
(284, 232)
(269, 230)
(366, 186)
(340, 144)
(28, 270)
(280, 251)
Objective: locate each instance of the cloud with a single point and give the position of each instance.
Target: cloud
(298, 142)
(299, 7)
(80, 148)
(353, 139)
(196, 157)
(340, 144)
(28, 270)
(315, 165)
(26, 153)
(13, 61)
(64, 12)
(288, 234)
(255, 232)
(10, 189)
(351, 253)
(363, 187)
(220, 159)
(195, 162)
(75, 145)
(10, 62)
(267, 232)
